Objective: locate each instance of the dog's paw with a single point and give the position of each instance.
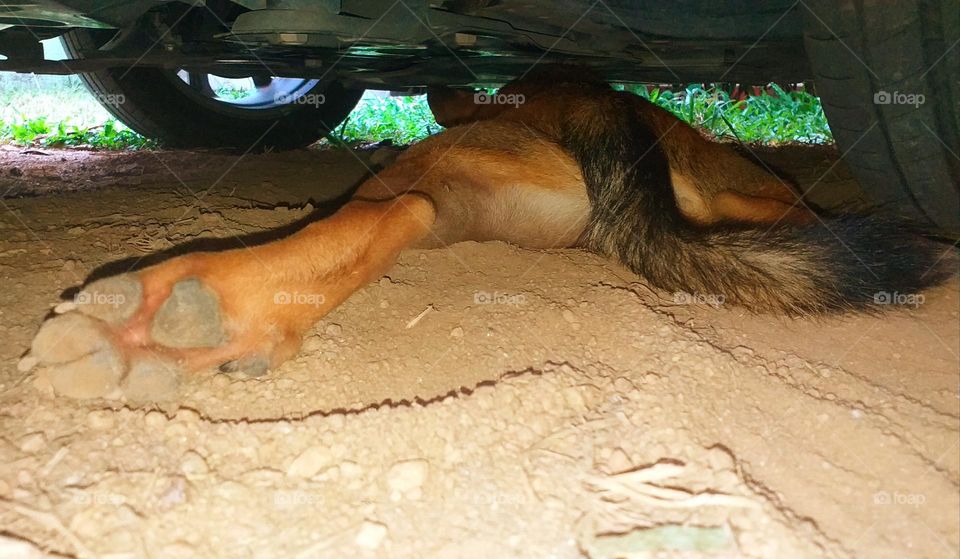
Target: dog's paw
(135, 335)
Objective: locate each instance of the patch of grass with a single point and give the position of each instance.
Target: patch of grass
(109, 135)
(58, 111)
(379, 117)
(780, 117)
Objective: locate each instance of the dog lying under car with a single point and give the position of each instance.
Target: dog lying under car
(577, 164)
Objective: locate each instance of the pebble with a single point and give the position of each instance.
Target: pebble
(101, 420)
(456, 332)
(309, 463)
(407, 475)
(155, 420)
(619, 461)
(333, 329)
(312, 344)
(371, 534)
(350, 469)
(33, 442)
(187, 415)
(20, 549)
(26, 363)
(220, 381)
(193, 465)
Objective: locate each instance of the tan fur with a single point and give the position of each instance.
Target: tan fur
(499, 175)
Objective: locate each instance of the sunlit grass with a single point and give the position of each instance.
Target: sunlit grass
(58, 111)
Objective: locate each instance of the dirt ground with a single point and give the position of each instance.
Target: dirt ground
(545, 404)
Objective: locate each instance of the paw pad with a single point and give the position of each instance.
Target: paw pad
(190, 317)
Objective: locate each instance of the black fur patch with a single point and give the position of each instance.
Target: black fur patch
(852, 262)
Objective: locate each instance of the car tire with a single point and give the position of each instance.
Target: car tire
(157, 104)
(888, 74)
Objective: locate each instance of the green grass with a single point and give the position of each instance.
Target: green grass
(57, 111)
(403, 120)
(783, 117)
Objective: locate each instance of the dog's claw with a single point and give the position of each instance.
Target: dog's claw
(249, 366)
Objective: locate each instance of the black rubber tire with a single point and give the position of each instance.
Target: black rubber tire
(904, 156)
(158, 107)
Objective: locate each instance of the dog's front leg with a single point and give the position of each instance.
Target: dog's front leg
(243, 309)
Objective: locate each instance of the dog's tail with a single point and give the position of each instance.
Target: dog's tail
(853, 262)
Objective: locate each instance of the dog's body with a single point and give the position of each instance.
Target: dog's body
(576, 164)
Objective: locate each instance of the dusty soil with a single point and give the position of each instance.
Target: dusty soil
(547, 404)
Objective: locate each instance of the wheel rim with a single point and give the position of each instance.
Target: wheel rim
(255, 93)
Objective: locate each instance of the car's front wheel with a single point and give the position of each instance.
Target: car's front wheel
(189, 109)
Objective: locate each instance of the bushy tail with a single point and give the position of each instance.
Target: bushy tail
(852, 262)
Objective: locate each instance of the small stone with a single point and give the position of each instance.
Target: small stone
(220, 381)
(569, 316)
(619, 461)
(33, 442)
(101, 420)
(350, 469)
(333, 330)
(407, 475)
(26, 363)
(456, 332)
(309, 463)
(187, 415)
(15, 548)
(371, 534)
(312, 344)
(193, 465)
(155, 420)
